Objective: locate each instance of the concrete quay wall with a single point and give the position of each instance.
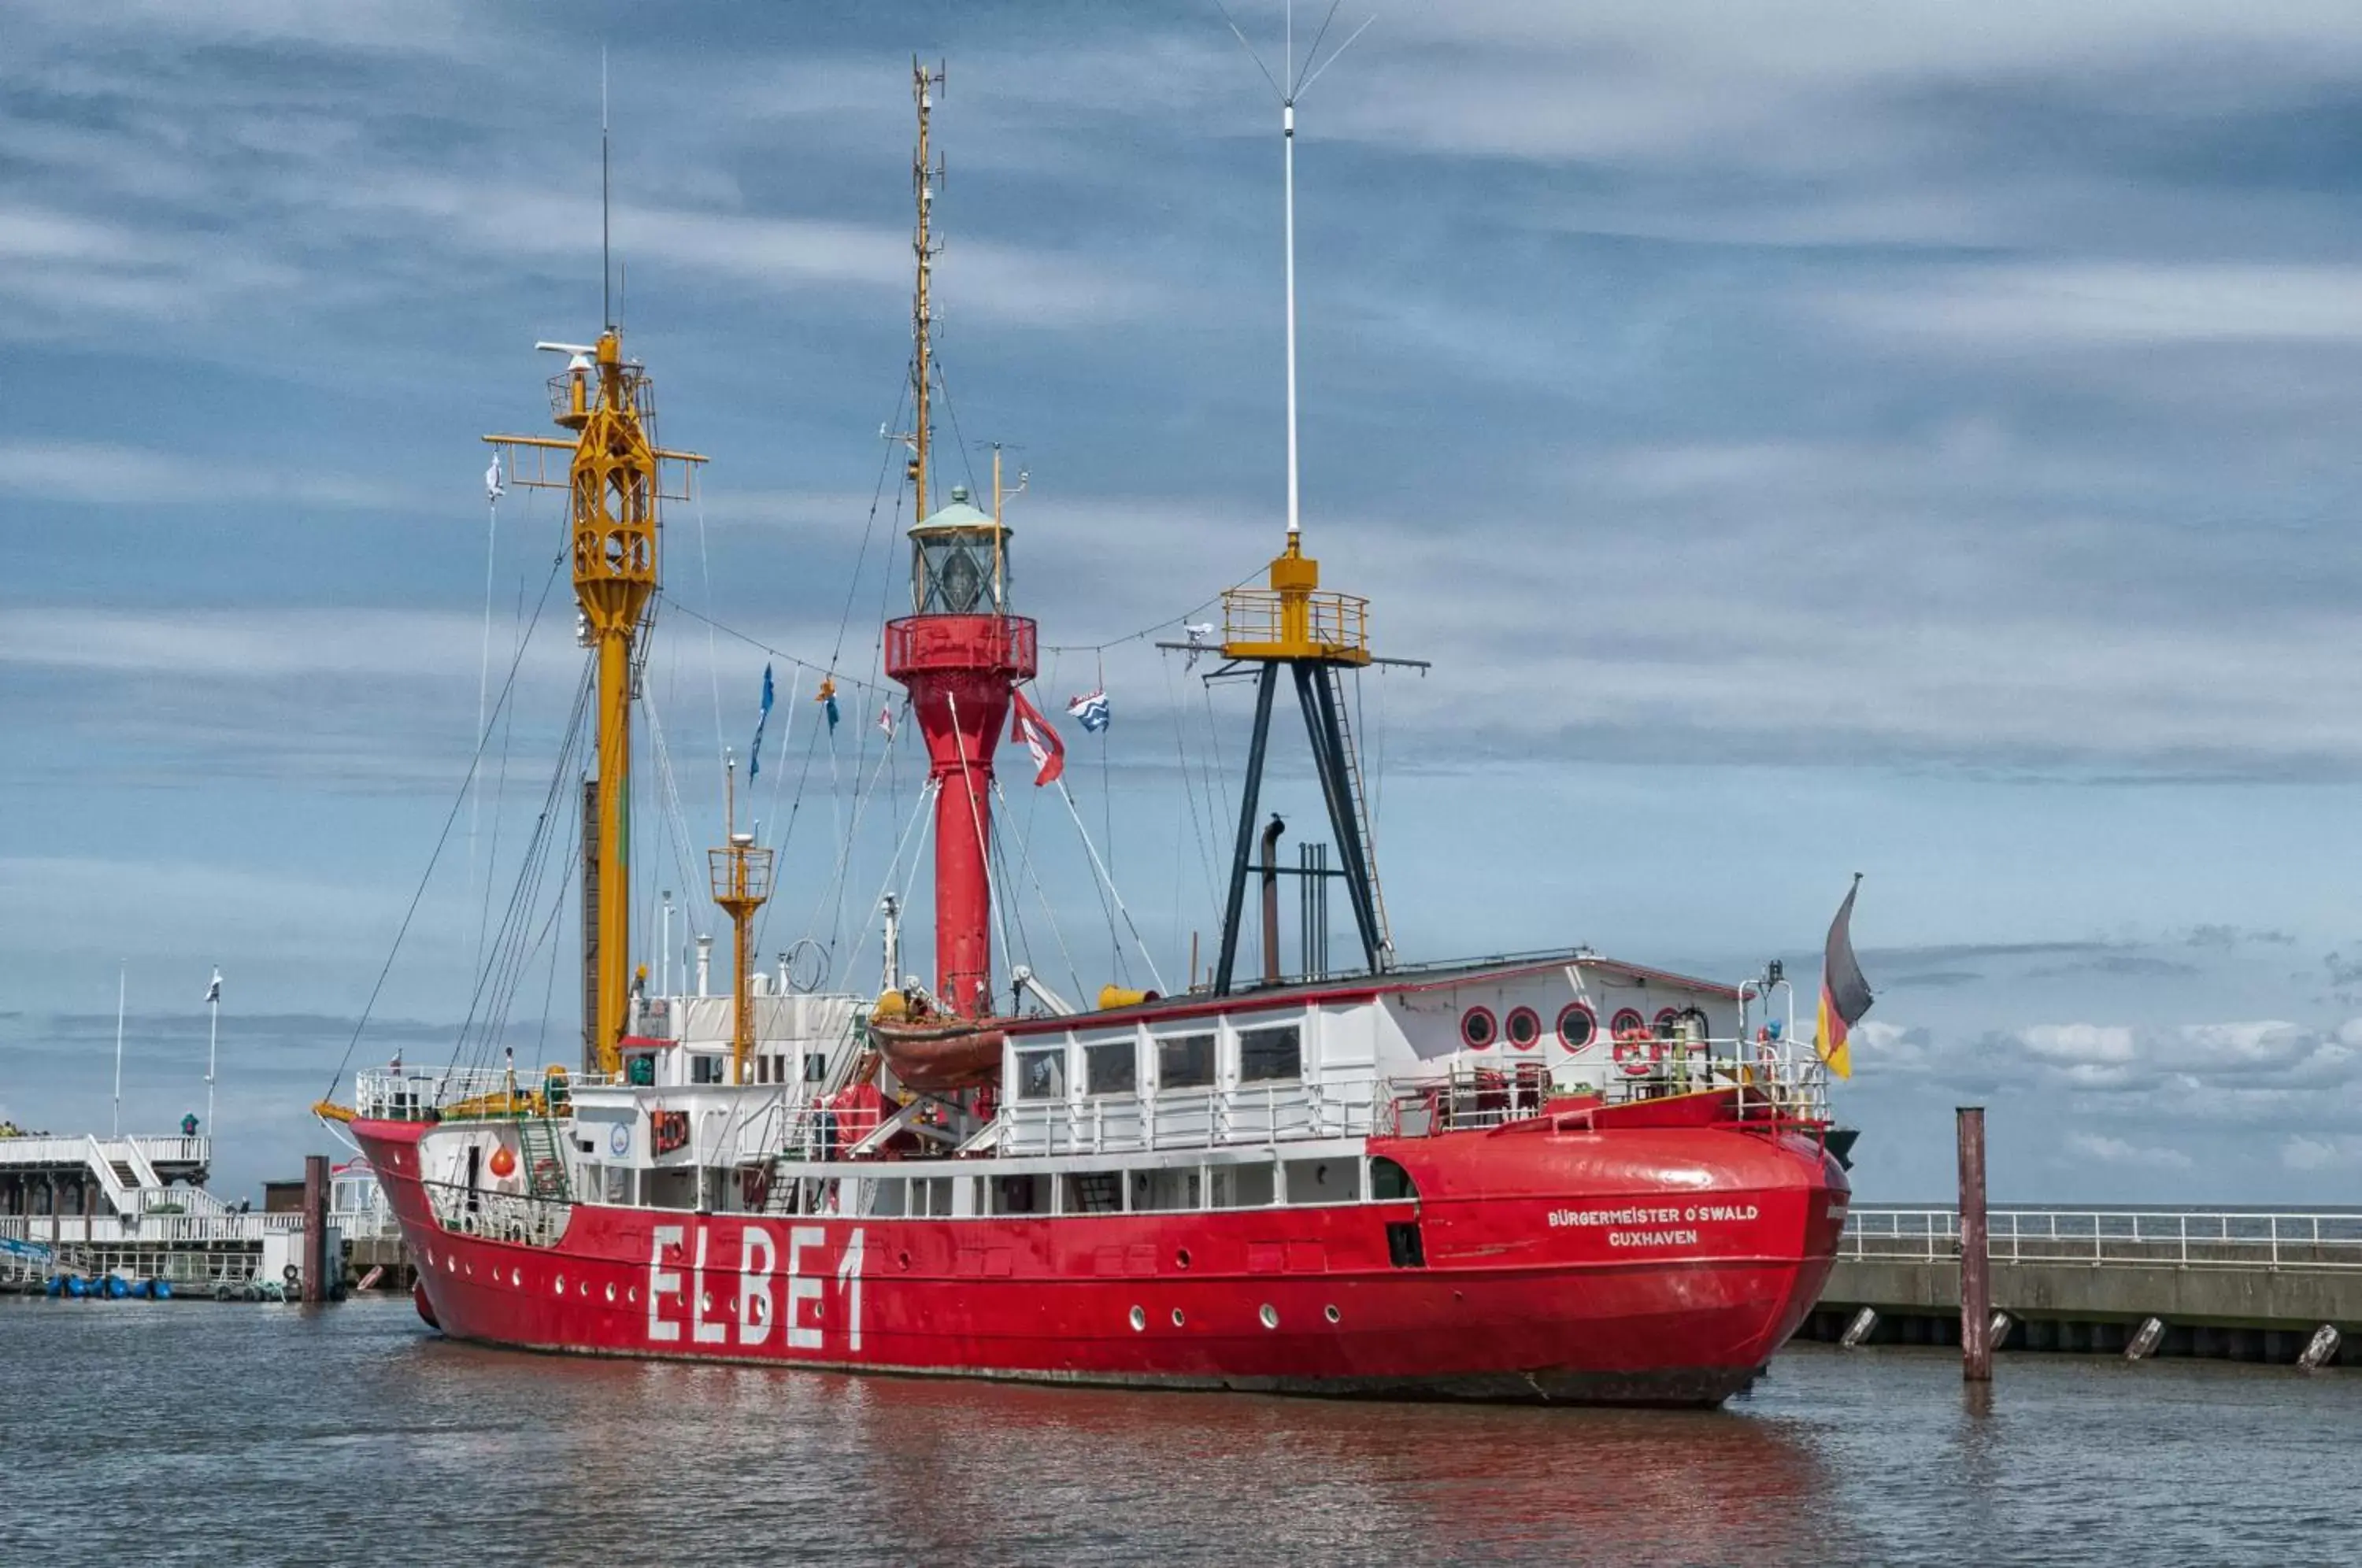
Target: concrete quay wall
(2243, 1313)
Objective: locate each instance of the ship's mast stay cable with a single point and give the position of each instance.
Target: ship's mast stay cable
(674, 814)
(501, 783)
(1098, 866)
(918, 815)
(832, 893)
(828, 671)
(498, 982)
(459, 799)
(483, 692)
(496, 1024)
(1025, 859)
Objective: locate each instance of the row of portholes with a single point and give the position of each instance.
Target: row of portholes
(1268, 1316)
(451, 1265)
(1578, 1026)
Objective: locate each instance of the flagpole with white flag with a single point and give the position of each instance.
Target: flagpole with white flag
(213, 1039)
(122, 990)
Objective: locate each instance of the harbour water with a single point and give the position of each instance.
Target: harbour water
(171, 1432)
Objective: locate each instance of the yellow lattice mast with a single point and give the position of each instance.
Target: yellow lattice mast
(614, 482)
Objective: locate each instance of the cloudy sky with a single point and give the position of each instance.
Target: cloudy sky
(1818, 438)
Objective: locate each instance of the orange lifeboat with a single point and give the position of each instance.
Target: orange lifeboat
(939, 1054)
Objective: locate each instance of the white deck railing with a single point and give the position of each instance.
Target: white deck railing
(118, 1229)
(2102, 1237)
(76, 1150)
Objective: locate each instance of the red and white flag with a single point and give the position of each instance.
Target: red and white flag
(886, 719)
(1026, 724)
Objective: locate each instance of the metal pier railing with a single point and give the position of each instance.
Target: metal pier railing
(2114, 1237)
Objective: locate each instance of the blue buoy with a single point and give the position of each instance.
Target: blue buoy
(55, 1286)
(160, 1289)
(76, 1286)
(117, 1288)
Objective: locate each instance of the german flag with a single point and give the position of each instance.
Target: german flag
(1845, 994)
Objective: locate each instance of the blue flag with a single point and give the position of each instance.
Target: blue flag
(826, 698)
(755, 752)
(1091, 708)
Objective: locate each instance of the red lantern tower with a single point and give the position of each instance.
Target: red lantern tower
(960, 653)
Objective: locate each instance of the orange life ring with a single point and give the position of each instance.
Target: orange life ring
(1637, 1052)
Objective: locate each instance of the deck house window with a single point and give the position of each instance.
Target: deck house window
(1265, 1054)
(1111, 1068)
(1185, 1061)
(1041, 1074)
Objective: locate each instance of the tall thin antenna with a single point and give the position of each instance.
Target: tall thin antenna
(606, 301)
(1296, 84)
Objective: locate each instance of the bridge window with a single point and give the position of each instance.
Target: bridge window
(705, 1069)
(1111, 1068)
(1041, 1074)
(1389, 1183)
(1185, 1061)
(1269, 1053)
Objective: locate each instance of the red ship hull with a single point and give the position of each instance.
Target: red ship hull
(1651, 1265)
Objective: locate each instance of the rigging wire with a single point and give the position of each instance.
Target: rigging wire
(483, 692)
(501, 978)
(1025, 859)
(1111, 891)
(457, 799)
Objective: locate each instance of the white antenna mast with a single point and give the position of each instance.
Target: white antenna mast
(606, 271)
(1296, 82)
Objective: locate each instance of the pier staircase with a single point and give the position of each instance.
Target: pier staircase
(545, 1162)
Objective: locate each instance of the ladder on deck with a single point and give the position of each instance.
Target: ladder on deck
(1367, 833)
(544, 1162)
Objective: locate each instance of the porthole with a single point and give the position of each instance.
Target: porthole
(1139, 1320)
(1628, 1023)
(516, 1277)
(561, 1285)
(633, 1295)
(1181, 1258)
(1176, 1317)
(705, 1302)
(902, 1262)
(611, 1296)
(1523, 1026)
(450, 1264)
(1270, 1315)
(1478, 1028)
(1577, 1025)
(1331, 1313)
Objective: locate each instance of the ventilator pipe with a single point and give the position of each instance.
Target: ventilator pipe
(704, 966)
(1271, 899)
